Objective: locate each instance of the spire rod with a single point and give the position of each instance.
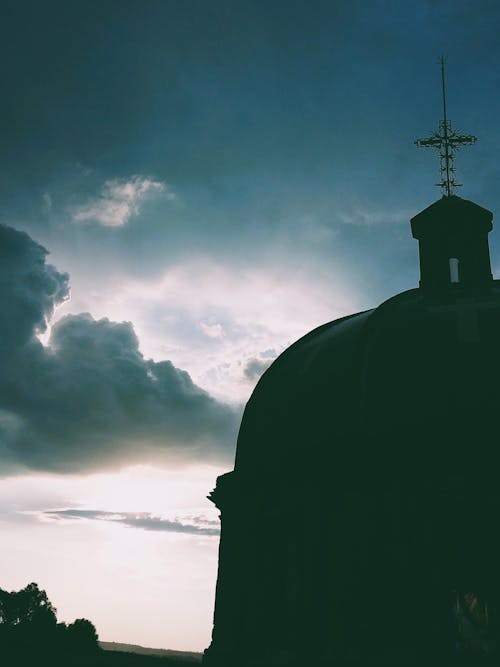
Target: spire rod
(447, 141)
(442, 62)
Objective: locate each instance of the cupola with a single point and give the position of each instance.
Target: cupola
(452, 234)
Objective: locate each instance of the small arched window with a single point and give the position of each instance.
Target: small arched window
(454, 270)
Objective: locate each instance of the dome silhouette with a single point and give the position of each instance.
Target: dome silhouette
(361, 517)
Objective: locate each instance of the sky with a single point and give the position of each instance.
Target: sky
(186, 188)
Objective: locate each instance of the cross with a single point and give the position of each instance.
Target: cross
(447, 141)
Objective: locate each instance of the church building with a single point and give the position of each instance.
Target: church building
(360, 525)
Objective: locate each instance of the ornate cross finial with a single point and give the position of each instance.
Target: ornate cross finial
(447, 141)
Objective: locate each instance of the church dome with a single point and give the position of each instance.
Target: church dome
(317, 379)
(364, 498)
(360, 523)
(374, 379)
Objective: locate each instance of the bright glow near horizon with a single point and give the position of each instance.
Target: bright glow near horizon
(115, 574)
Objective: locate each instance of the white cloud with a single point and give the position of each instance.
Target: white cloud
(120, 199)
(366, 216)
(214, 330)
(47, 201)
(211, 318)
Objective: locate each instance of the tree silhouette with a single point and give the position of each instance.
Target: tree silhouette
(29, 628)
(29, 605)
(82, 636)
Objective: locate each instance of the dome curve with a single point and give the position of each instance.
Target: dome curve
(361, 386)
(288, 396)
(365, 491)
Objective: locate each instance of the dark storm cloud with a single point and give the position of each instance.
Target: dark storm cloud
(143, 520)
(90, 400)
(198, 91)
(260, 115)
(29, 288)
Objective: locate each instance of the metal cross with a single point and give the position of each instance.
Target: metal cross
(447, 141)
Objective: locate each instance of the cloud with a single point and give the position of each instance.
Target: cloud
(249, 309)
(119, 201)
(145, 520)
(30, 289)
(254, 368)
(47, 201)
(215, 330)
(90, 400)
(359, 215)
